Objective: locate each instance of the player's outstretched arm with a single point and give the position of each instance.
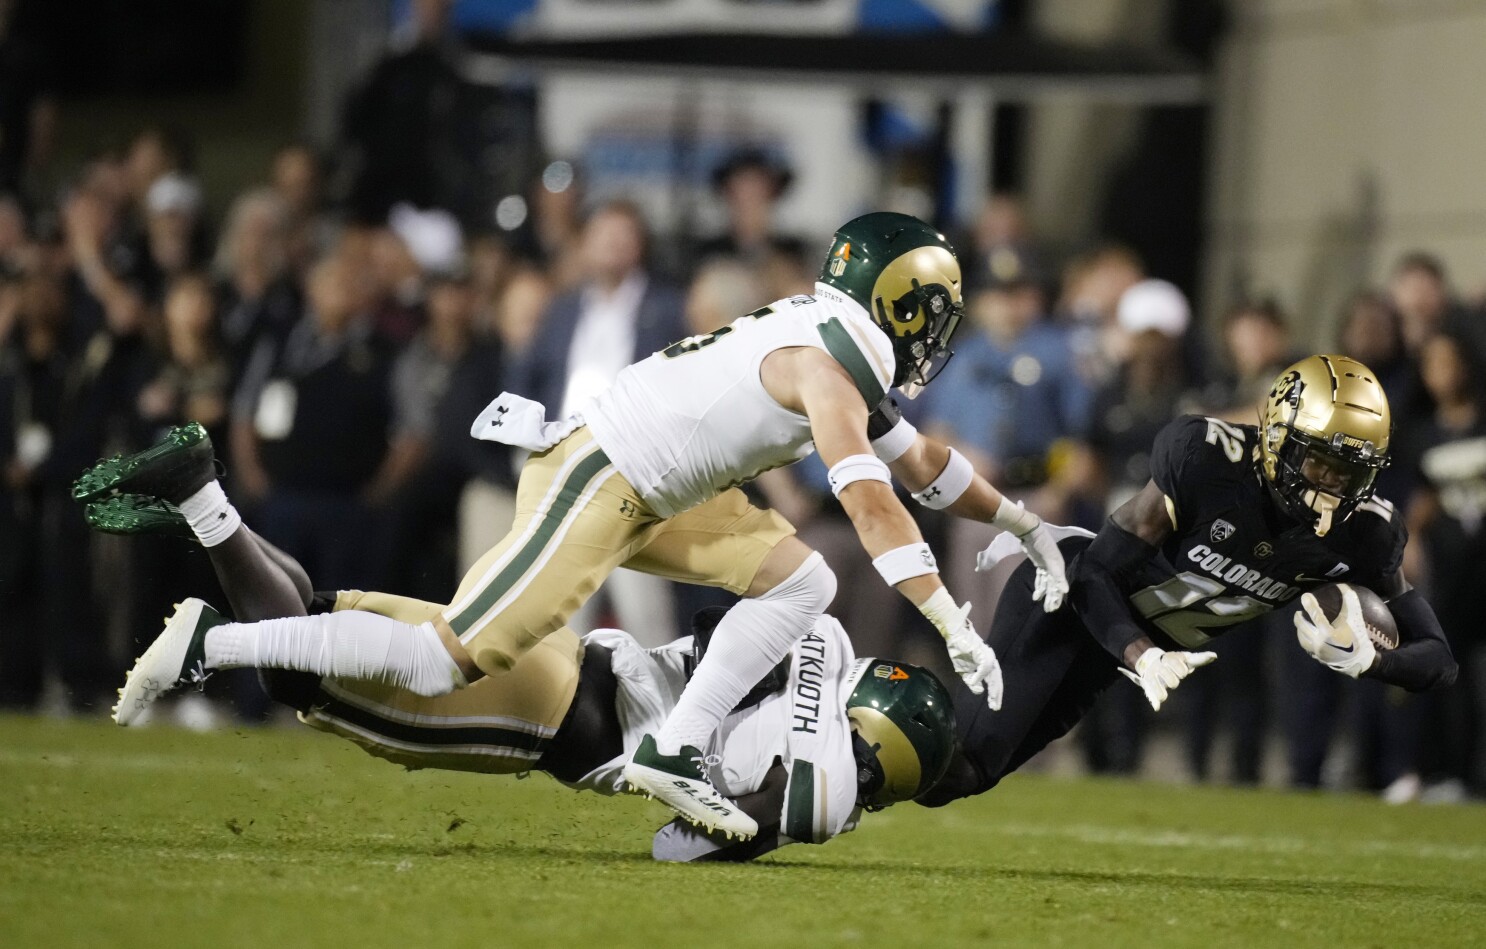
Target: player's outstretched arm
(941, 478)
(862, 482)
(1129, 539)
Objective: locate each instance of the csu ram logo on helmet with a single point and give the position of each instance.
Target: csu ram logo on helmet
(905, 274)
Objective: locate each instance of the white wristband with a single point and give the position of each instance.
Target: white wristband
(899, 439)
(905, 563)
(951, 483)
(1015, 518)
(855, 468)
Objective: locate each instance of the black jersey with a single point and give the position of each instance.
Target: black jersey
(1233, 554)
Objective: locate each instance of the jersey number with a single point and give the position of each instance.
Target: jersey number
(693, 343)
(1227, 437)
(1188, 604)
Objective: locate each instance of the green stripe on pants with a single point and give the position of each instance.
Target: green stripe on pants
(800, 823)
(577, 482)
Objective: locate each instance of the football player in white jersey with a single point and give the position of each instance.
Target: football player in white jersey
(821, 737)
(646, 477)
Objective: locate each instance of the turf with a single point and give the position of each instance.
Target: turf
(283, 838)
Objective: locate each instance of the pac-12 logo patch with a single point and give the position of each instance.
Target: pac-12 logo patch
(1263, 549)
(890, 673)
(1221, 531)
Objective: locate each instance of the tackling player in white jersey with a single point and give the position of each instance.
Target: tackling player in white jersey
(644, 478)
(821, 737)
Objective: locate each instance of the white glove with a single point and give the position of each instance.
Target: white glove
(1158, 671)
(1343, 645)
(1051, 585)
(974, 661)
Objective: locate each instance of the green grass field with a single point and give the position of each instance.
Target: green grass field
(284, 838)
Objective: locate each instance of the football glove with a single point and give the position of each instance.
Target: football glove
(1051, 585)
(1157, 671)
(974, 661)
(1341, 644)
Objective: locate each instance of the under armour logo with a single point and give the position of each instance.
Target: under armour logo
(627, 509)
(500, 416)
(930, 493)
(222, 516)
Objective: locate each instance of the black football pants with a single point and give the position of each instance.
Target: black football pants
(1053, 670)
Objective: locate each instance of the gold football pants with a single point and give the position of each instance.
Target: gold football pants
(499, 725)
(577, 518)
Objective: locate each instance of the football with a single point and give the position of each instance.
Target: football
(1375, 613)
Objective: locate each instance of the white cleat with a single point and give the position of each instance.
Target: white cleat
(680, 783)
(177, 657)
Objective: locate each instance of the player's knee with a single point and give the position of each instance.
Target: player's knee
(810, 589)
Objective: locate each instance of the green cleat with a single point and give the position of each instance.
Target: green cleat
(137, 514)
(680, 782)
(172, 469)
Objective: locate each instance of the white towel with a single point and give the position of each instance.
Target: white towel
(512, 420)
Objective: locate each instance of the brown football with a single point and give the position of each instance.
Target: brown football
(1375, 613)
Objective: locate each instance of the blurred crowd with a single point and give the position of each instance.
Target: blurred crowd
(338, 357)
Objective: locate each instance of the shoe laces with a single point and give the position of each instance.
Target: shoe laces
(198, 675)
(705, 764)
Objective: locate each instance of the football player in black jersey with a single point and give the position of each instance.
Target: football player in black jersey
(1236, 521)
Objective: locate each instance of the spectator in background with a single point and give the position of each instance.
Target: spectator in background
(1256, 346)
(28, 106)
(1372, 333)
(193, 378)
(439, 384)
(297, 178)
(1010, 394)
(487, 506)
(172, 232)
(1093, 284)
(17, 253)
(311, 433)
(57, 400)
(257, 296)
(399, 124)
(618, 314)
(554, 236)
(1449, 517)
(751, 182)
(1420, 292)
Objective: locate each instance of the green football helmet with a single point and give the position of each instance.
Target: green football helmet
(907, 277)
(902, 731)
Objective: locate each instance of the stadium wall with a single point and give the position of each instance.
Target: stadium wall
(1347, 132)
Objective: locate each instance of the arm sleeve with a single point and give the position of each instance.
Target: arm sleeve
(1422, 660)
(1096, 592)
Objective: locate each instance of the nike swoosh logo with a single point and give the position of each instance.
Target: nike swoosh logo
(1302, 578)
(1338, 648)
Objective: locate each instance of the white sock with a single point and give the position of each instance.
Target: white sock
(751, 639)
(349, 644)
(211, 515)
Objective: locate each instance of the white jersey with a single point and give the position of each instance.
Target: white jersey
(804, 727)
(692, 420)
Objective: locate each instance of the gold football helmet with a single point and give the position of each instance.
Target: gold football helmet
(1323, 438)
